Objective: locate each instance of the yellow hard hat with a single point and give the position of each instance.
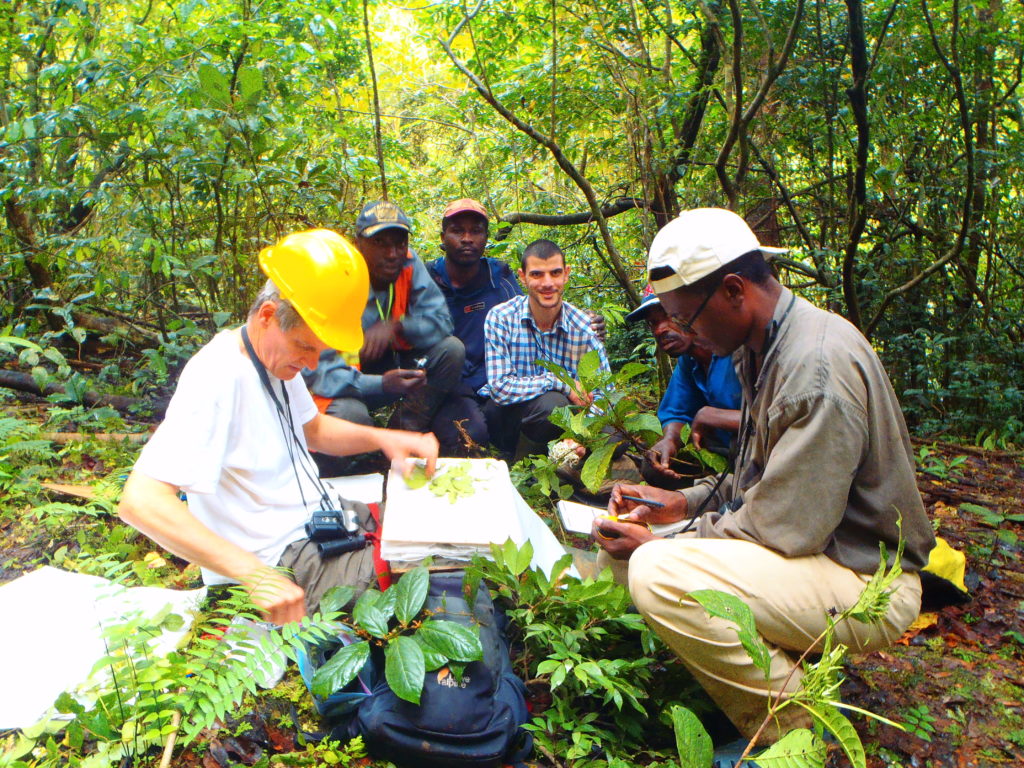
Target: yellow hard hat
(325, 278)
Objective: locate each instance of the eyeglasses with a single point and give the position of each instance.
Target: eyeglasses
(687, 325)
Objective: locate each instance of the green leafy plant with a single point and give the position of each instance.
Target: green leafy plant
(536, 478)
(8, 340)
(932, 463)
(326, 752)
(919, 721)
(136, 698)
(23, 456)
(412, 641)
(608, 676)
(1003, 537)
(453, 480)
(1001, 438)
(615, 421)
(40, 358)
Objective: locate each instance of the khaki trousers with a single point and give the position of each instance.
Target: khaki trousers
(316, 574)
(789, 597)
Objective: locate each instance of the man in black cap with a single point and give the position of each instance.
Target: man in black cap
(703, 394)
(408, 355)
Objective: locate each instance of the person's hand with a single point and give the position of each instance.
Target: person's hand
(400, 446)
(708, 419)
(701, 428)
(597, 324)
(579, 396)
(403, 381)
(281, 599)
(577, 448)
(661, 454)
(377, 340)
(673, 504)
(619, 539)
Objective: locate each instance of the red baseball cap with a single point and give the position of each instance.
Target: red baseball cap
(464, 205)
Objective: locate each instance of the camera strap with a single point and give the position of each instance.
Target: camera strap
(287, 422)
(261, 370)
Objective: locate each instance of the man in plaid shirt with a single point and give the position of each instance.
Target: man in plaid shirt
(538, 326)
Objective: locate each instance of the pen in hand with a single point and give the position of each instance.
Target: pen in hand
(648, 502)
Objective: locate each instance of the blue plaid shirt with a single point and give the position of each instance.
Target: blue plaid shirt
(514, 344)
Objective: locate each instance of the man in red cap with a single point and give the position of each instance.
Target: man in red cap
(472, 285)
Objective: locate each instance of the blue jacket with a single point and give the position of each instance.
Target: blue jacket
(690, 389)
(469, 306)
(425, 323)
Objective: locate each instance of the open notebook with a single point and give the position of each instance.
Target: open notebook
(578, 517)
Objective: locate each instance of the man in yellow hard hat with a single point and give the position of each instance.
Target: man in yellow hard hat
(237, 436)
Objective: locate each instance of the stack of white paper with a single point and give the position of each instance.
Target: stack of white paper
(418, 523)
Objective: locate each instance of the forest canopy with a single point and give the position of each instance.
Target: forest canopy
(148, 149)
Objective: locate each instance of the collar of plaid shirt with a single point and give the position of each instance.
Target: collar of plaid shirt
(526, 318)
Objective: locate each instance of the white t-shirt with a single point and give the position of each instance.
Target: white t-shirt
(222, 443)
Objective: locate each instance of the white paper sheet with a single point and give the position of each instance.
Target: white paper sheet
(418, 516)
(368, 489)
(52, 634)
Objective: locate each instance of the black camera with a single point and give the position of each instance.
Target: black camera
(335, 532)
(324, 526)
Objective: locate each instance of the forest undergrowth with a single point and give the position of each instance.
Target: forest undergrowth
(954, 682)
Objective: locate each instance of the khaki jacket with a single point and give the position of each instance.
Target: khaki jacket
(824, 463)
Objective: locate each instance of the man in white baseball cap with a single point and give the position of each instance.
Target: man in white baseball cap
(824, 475)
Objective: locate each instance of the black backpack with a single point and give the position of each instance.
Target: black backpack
(474, 722)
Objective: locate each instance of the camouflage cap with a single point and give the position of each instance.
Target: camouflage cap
(380, 215)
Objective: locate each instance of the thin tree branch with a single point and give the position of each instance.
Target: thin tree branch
(378, 141)
(742, 115)
(411, 118)
(769, 168)
(952, 66)
(554, 67)
(881, 35)
(797, 266)
(621, 205)
(736, 117)
(556, 152)
(668, 33)
(857, 95)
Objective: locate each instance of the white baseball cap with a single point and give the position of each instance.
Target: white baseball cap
(697, 242)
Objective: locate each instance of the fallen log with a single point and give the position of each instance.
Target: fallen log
(103, 437)
(974, 450)
(23, 382)
(72, 491)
